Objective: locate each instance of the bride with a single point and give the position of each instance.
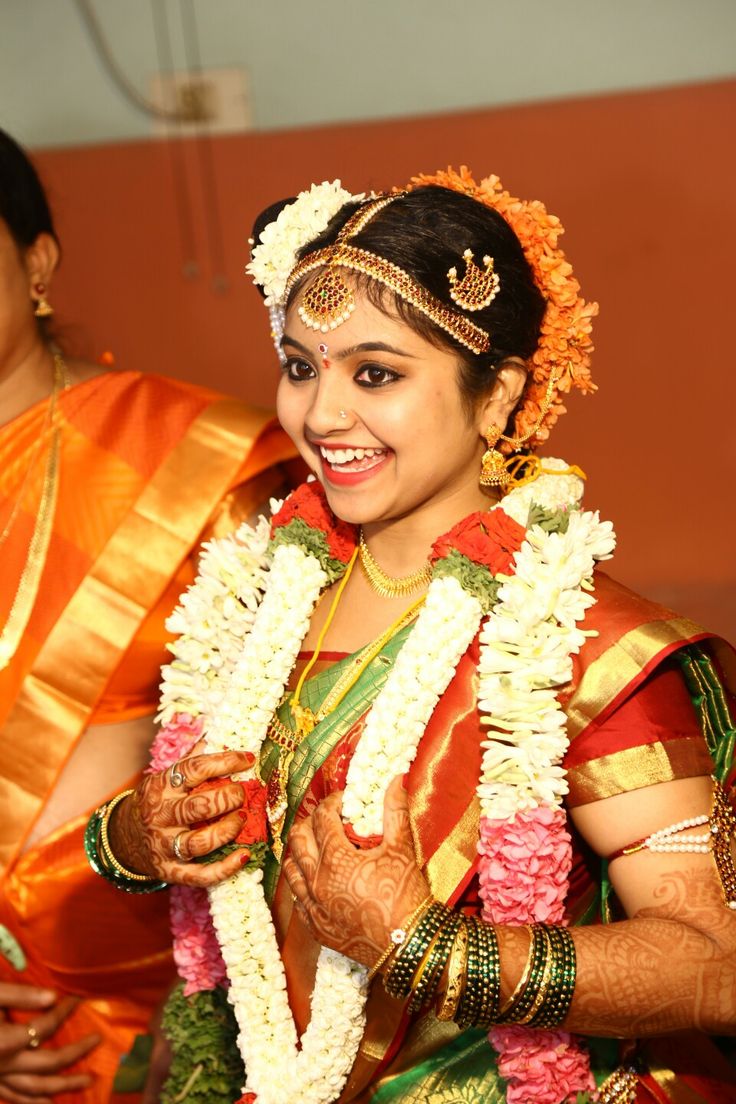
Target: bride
(496, 781)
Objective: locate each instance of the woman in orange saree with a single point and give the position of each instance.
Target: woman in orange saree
(402, 619)
(98, 539)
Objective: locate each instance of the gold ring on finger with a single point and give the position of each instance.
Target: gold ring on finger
(34, 1039)
(176, 777)
(176, 848)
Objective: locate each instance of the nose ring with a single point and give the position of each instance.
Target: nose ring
(342, 414)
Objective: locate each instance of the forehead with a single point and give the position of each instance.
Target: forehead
(366, 324)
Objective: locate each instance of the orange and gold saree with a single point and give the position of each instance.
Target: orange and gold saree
(148, 466)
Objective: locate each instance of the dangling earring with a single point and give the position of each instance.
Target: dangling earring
(43, 307)
(493, 471)
(493, 467)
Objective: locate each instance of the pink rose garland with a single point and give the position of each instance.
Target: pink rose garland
(196, 950)
(524, 868)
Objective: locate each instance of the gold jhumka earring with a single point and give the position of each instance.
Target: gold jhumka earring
(494, 471)
(43, 307)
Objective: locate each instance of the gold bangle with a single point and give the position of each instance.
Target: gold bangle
(399, 936)
(522, 982)
(455, 975)
(107, 855)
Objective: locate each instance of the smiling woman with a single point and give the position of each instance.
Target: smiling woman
(458, 719)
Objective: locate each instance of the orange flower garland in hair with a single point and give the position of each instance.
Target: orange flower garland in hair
(565, 343)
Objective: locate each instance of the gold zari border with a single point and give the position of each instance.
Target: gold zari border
(610, 674)
(104, 614)
(634, 768)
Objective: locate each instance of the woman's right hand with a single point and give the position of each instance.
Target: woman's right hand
(163, 809)
(30, 1071)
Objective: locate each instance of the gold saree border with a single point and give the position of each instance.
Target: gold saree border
(621, 664)
(634, 768)
(103, 615)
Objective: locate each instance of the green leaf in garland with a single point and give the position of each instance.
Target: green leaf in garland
(551, 521)
(313, 542)
(206, 1066)
(474, 578)
(258, 852)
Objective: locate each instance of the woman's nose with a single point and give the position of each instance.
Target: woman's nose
(329, 409)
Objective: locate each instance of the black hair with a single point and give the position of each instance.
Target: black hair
(23, 204)
(425, 233)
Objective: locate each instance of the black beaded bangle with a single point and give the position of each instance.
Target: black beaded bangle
(470, 1002)
(398, 979)
(427, 976)
(490, 974)
(95, 860)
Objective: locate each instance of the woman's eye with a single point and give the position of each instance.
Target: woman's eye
(298, 370)
(373, 375)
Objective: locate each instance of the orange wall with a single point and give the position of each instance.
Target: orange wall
(644, 185)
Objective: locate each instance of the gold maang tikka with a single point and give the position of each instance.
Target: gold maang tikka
(494, 471)
(329, 301)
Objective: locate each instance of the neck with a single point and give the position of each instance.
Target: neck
(403, 545)
(25, 380)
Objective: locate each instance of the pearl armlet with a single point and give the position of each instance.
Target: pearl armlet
(717, 839)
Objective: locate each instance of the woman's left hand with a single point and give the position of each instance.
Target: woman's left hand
(352, 899)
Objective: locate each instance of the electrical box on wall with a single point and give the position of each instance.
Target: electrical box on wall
(217, 100)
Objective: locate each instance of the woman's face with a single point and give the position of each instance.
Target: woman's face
(378, 417)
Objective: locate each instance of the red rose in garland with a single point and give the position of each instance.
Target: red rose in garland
(490, 538)
(306, 518)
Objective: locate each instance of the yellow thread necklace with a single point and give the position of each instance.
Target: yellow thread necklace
(305, 719)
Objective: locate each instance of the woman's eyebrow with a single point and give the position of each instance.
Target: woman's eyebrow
(351, 350)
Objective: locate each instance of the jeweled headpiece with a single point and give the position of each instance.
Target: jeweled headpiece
(562, 359)
(329, 301)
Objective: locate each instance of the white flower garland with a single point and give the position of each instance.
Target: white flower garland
(526, 647)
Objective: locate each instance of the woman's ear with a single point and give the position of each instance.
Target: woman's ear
(508, 386)
(41, 259)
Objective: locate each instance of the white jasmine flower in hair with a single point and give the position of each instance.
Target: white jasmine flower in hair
(296, 225)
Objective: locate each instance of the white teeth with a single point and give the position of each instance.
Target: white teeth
(344, 456)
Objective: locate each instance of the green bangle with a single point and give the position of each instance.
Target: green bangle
(482, 991)
(398, 979)
(556, 1004)
(427, 975)
(95, 858)
(538, 954)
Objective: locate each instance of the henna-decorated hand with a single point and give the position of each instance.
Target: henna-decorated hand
(162, 809)
(351, 899)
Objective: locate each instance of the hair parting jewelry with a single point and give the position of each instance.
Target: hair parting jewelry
(385, 585)
(330, 301)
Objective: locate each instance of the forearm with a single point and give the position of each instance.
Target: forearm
(651, 974)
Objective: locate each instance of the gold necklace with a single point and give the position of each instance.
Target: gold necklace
(386, 585)
(38, 546)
